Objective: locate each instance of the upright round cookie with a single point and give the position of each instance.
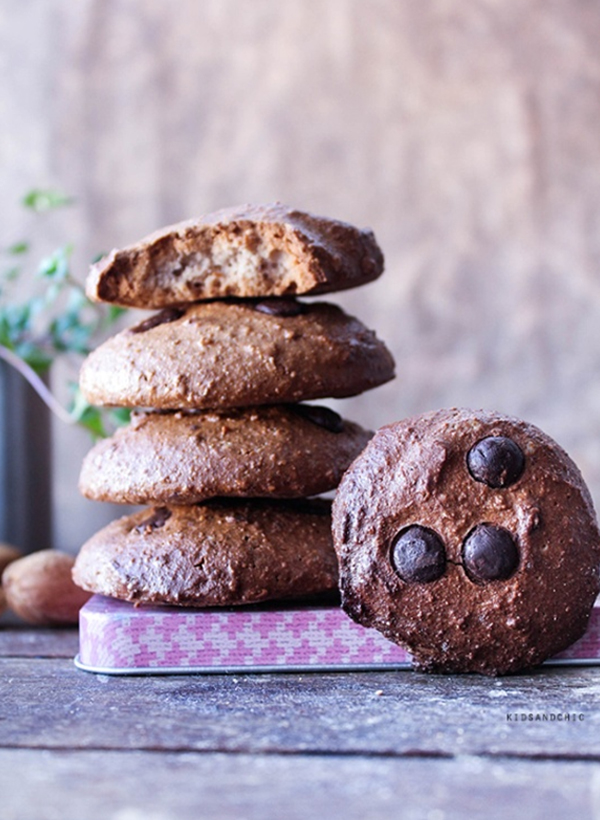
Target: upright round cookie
(236, 354)
(470, 538)
(220, 553)
(245, 251)
(282, 451)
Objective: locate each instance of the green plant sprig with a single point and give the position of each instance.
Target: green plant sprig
(59, 320)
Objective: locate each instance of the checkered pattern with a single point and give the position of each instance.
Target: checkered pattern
(586, 648)
(118, 636)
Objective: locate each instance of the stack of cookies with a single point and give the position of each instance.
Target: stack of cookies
(221, 445)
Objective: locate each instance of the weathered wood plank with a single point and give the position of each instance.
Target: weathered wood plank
(145, 786)
(25, 642)
(50, 704)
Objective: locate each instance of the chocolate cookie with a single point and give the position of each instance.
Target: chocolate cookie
(236, 354)
(286, 451)
(469, 538)
(247, 251)
(213, 554)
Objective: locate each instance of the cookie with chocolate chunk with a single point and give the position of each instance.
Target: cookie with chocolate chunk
(236, 354)
(214, 554)
(470, 538)
(282, 451)
(246, 251)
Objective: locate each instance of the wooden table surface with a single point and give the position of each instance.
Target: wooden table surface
(350, 745)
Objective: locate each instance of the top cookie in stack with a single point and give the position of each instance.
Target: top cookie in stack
(251, 251)
(219, 373)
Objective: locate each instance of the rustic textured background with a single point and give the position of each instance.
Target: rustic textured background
(466, 135)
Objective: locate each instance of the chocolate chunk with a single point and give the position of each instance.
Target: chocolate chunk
(496, 461)
(322, 416)
(158, 519)
(418, 555)
(162, 318)
(489, 554)
(279, 306)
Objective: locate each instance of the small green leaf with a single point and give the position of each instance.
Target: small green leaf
(56, 266)
(112, 314)
(5, 339)
(74, 339)
(40, 200)
(37, 358)
(16, 318)
(78, 403)
(86, 414)
(91, 419)
(120, 415)
(18, 248)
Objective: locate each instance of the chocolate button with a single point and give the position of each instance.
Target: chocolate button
(279, 306)
(496, 461)
(322, 416)
(418, 555)
(158, 518)
(489, 554)
(162, 318)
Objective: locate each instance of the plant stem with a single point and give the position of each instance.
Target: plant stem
(37, 383)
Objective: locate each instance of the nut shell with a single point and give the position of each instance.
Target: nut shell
(39, 588)
(8, 554)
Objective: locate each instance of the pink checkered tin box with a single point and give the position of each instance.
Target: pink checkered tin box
(118, 638)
